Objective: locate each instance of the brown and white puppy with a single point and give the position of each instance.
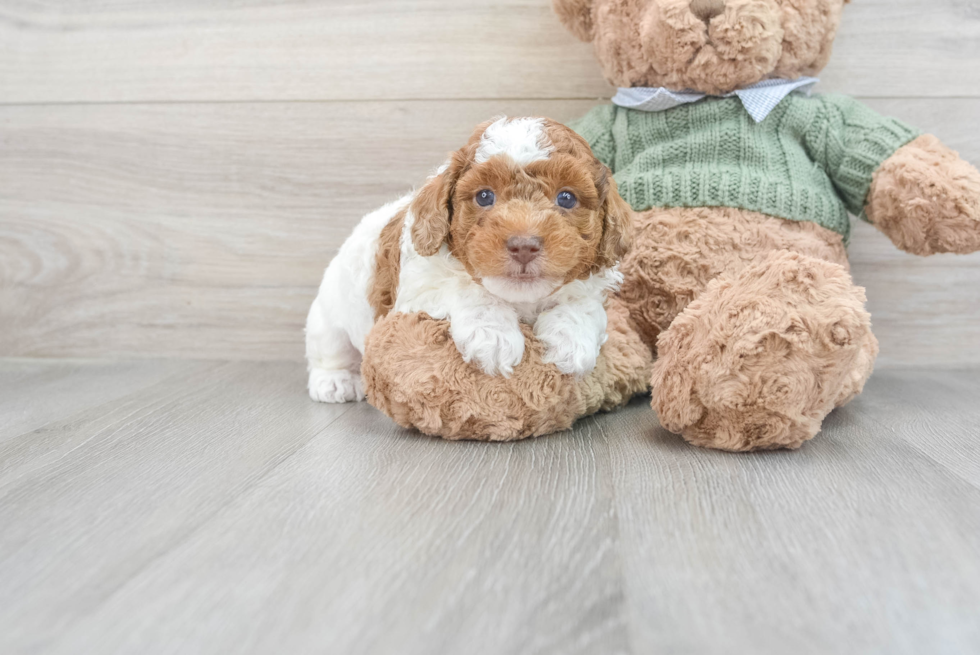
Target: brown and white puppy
(521, 224)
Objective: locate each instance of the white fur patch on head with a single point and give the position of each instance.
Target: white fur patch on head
(522, 139)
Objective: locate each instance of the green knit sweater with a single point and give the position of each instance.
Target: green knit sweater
(811, 159)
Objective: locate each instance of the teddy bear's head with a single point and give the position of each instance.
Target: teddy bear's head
(711, 46)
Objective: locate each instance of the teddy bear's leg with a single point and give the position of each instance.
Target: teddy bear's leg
(677, 251)
(764, 354)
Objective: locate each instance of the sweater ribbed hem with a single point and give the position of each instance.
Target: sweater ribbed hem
(738, 190)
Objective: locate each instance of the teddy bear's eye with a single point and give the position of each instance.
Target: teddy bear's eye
(485, 198)
(566, 200)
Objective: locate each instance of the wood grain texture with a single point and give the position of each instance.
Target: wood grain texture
(140, 50)
(173, 455)
(374, 540)
(33, 392)
(223, 512)
(935, 420)
(858, 543)
(202, 230)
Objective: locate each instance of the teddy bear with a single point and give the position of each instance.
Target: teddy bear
(737, 279)
(742, 182)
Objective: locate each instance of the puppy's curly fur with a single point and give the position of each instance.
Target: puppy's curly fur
(522, 224)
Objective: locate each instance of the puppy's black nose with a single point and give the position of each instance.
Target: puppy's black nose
(524, 249)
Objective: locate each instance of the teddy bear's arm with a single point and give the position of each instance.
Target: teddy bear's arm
(910, 186)
(849, 141)
(926, 199)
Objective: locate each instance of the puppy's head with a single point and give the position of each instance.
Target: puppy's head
(525, 207)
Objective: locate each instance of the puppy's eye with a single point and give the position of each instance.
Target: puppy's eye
(566, 200)
(485, 198)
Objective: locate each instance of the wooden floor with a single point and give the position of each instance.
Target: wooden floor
(207, 507)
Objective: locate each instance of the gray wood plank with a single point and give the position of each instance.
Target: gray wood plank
(90, 501)
(924, 311)
(77, 416)
(202, 230)
(371, 539)
(36, 392)
(392, 49)
(857, 543)
(935, 412)
(226, 513)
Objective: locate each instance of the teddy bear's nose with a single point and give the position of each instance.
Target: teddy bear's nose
(707, 9)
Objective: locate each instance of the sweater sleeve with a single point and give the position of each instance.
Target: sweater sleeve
(596, 128)
(850, 141)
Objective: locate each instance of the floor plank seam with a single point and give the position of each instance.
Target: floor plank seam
(616, 533)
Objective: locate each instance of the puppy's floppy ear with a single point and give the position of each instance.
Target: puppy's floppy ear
(617, 221)
(432, 207)
(576, 16)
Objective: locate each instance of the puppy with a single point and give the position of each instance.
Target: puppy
(521, 224)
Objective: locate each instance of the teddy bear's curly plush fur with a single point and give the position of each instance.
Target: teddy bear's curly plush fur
(712, 46)
(414, 373)
(758, 329)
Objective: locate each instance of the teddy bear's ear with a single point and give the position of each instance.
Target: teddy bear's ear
(576, 16)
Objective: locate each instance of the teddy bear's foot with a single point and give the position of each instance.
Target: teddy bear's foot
(760, 358)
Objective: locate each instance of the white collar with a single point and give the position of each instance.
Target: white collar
(759, 99)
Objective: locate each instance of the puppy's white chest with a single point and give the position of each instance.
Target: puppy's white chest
(529, 312)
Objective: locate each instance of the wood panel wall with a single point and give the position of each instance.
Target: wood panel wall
(175, 176)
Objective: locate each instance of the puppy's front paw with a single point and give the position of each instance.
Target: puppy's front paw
(572, 354)
(496, 346)
(572, 337)
(335, 386)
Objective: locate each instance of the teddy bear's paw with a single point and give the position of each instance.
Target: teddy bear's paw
(927, 200)
(496, 345)
(759, 359)
(335, 386)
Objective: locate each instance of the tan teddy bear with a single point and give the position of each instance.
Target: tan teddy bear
(742, 182)
(738, 276)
